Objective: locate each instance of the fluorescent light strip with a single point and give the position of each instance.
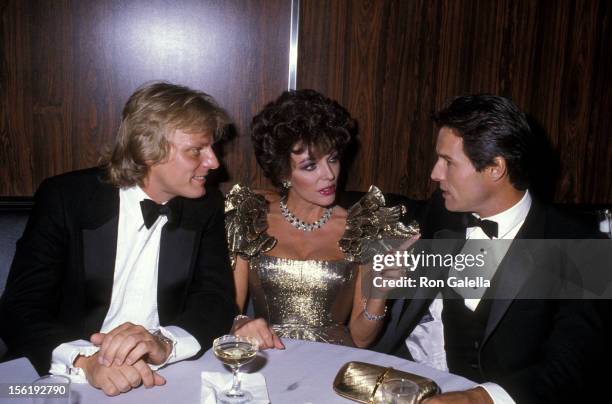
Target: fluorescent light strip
(293, 44)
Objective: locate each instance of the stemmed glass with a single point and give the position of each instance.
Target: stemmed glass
(399, 391)
(235, 351)
(605, 221)
(56, 389)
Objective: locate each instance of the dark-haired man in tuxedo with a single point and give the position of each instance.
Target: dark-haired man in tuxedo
(124, 268)
(519, 350)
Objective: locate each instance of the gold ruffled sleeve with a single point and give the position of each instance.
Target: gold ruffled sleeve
(246, 223)
(369, 223)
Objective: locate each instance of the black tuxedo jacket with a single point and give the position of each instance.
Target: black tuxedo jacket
(60, 284)
(539, 351)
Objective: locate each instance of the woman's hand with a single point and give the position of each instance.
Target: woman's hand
(257, 328)
(389, 274)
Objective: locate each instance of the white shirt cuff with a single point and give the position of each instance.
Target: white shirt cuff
(184, 345)
(63, 357)
(426, 342)
(497, 393)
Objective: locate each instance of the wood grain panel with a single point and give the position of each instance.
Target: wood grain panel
(67, 67)
(392, 63)
(16, 142)
(598, 155)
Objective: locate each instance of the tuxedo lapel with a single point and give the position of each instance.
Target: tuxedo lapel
(175, 255)
(177, 250)
(516, 267)
(512, 273)
(99, 227)
(99, 251)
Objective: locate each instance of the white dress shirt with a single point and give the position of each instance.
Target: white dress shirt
(134, 294)
(426, 343)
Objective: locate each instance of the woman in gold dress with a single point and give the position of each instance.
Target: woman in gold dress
(295, 253)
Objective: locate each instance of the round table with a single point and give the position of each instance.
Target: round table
(302, 373)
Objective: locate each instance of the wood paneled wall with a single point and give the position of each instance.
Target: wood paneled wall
(392, 63)
(68, 66)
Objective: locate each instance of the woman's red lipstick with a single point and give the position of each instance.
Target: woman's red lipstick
(328, 191)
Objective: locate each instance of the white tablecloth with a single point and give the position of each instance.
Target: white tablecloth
(17, 371)
(303, 373)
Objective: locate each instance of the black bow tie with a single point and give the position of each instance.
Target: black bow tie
(488, 226)
(151, 211)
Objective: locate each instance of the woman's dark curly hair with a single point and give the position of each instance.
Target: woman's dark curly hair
(303, 118)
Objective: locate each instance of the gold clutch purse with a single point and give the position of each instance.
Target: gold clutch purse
(359, 381)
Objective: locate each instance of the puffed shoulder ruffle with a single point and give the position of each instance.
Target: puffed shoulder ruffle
(370, 224)
(246, 223)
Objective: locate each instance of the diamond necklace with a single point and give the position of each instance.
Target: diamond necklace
(299, 224)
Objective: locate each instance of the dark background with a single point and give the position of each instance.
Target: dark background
(68, 66)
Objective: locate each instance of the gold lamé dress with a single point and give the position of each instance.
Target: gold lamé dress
(307, 299)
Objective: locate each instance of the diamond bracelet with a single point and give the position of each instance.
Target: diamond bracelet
(372, 317)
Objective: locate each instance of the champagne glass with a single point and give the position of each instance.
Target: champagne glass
(52, 389)
(235, 351)
(605, 221)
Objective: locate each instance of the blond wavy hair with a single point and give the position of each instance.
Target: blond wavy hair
(149, 117)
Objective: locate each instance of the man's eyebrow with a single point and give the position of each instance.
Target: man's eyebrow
(444, 156)
(201, 143)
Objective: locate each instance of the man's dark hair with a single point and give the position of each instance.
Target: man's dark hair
(491, 126)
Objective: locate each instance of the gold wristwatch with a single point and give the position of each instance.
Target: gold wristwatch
(162, 338)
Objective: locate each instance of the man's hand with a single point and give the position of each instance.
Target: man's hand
(118, 379)
(127, 344)
(477, 395)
